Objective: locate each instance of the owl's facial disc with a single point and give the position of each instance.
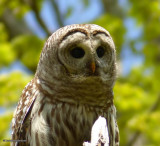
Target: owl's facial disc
(87, 56)
(78, 53)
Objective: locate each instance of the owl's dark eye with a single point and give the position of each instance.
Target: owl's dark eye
(77, 52)
(100, 51)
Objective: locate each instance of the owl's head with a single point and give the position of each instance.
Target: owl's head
(78, 51)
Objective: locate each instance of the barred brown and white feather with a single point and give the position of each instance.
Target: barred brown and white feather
(72, 87)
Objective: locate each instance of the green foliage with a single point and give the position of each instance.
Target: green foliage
(136, 94)
(18, 7)
(27, 53)
(145, 124)
(133, 106)
(11, 86)
(86, 3)
(7, 54)
(5, 126)
(147, 8)
(3, 32)
(69, 12)
(6, 51)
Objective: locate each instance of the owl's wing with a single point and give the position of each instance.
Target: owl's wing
(22, 111)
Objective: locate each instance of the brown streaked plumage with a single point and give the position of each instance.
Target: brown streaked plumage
(72, 87)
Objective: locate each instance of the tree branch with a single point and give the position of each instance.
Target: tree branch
(138, 133)
(34, 7)
(10, 22)
(155, 105)
(112, 7)
(58, 14)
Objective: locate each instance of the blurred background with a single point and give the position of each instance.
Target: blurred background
(135, 27)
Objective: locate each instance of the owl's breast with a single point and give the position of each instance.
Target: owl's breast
(64, 124)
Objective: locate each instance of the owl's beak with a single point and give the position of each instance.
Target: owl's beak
(93, 67)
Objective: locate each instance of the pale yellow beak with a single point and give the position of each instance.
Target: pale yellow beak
(93, 67)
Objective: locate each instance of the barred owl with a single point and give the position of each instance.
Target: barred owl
(71, 88)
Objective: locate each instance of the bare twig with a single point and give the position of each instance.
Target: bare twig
(58, 15)
(34, 7)
(134, 138)
(13, 25)
(155, 105)
(138, 133)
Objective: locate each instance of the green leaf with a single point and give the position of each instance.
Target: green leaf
(11, 86)
(3, 32)
(86, 3)
(7, 54)
(28, 49)
(69, 12)
(5, 121)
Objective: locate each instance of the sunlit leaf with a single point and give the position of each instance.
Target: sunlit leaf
(28, 49)
(69, 12)
(7, 54)
(5, 120)
(11, 86)
(86, 3)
